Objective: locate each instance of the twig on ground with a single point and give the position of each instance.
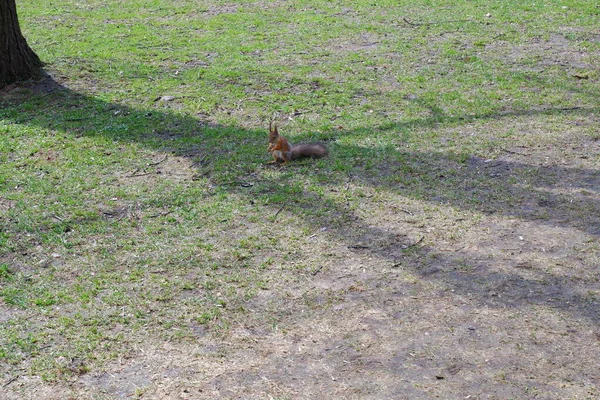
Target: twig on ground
(350, 177)
(514, 152)
(200, 162)
(136, 175)
(436, 22)
(418, 241)
(50, 93)
(158, 162)
(76, 119)
(569, 108)
(414, 244)
(408, 22)
(161, 214)
(280, 209)
(315, 272)
(11, 380)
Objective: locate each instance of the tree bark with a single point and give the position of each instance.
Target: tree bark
(17, 61)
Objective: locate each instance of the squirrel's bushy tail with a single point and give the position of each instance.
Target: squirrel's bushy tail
(314, 150)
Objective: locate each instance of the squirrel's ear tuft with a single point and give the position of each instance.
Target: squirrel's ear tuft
(273, 128)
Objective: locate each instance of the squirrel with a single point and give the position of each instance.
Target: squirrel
(282, 150)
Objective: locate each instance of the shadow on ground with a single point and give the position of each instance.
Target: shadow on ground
(503, 187)
(544, 198)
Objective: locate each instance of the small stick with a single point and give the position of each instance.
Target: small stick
(408, 22)
(513, 152)
(437, 22)
(161, 214)
(416, 243)
(136, 175)
(358, 246)
(50, 93)
(570, 108)
(158, 162)
(315, 272)
(280, 209)
(11, 380)
(200, 162)
(76, 119)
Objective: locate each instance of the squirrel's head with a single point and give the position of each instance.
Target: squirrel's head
(273, 132)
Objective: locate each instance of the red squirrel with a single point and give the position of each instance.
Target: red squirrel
(282, 150)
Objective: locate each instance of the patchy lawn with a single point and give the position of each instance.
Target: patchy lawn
(448, 247)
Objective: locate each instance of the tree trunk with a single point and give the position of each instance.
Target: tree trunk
(17, 61)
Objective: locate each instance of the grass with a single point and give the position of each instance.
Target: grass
(129, 215)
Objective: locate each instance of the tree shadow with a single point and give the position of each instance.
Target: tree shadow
(502, 187)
